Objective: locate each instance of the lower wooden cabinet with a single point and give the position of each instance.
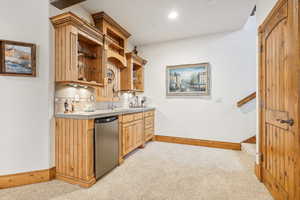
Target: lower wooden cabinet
(132, 136)
(149, 125)
(74, 151)
(74, 144)
(136, 129)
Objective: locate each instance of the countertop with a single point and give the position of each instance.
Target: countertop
(102, 113)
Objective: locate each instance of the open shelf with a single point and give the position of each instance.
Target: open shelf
(117, 48)
(116, 38)
(89, 61)
(81, 83)
(116, 43)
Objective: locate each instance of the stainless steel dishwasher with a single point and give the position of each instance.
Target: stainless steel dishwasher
(106, 145)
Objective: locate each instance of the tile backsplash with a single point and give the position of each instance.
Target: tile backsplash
(82, 98)
(125, 99)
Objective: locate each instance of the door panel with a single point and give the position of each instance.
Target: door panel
(276, 106)
(279, 100)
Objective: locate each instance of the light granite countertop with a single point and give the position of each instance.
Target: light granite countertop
(102, 113)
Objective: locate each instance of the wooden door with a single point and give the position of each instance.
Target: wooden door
(279, 92)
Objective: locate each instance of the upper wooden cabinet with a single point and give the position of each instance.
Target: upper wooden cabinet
(116, 38)
(88, 55)
(79, 51)
(132, 77)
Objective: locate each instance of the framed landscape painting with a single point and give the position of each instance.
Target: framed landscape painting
(17, 58)
(188, 80)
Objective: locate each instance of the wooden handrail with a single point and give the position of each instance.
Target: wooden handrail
(246, 99)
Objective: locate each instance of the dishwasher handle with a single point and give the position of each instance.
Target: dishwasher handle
(106, 120)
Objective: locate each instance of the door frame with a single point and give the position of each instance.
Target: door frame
(294, 15)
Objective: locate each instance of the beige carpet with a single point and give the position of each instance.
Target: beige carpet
(162, 171)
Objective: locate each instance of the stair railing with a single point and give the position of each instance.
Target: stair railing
(246, 99)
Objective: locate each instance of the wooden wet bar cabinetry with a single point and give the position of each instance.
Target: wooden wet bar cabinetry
(95, 57)
(74, 143)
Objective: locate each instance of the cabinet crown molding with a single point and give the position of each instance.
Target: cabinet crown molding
(100, 16)
(69, 18)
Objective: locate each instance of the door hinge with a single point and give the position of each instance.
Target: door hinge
(261, 104)
(259, 157)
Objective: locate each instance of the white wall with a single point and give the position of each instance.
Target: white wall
(27, 137)
(232, 57)
(24, 108)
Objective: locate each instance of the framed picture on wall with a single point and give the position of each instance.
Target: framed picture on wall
(188, 80)
(17, 58)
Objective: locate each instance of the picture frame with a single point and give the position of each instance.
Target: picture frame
(17, 58)
(188, 80)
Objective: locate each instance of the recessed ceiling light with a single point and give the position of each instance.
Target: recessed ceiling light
(173, 15)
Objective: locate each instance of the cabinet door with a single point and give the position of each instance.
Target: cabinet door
(133, 136)
(130, 137)
(126, 139)
(140, 79)
(66, 54)
(139, 133)
(73, 65)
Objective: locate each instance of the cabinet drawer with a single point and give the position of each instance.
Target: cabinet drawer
(127, 124)
(132, 117)
(149, 113)
(149, 132)
(149, 122)
(138, 116)
(128, 118)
